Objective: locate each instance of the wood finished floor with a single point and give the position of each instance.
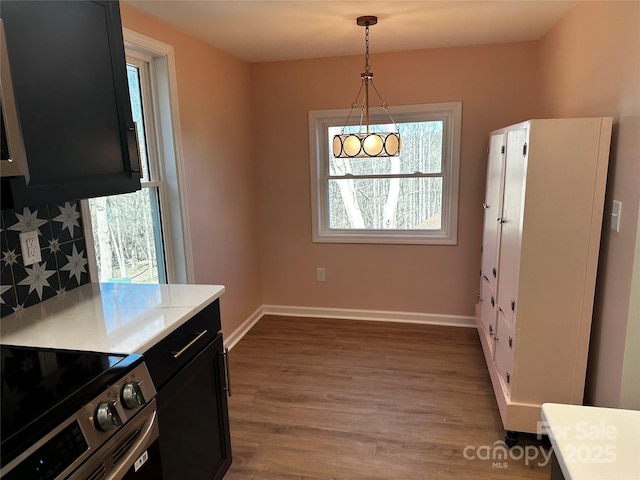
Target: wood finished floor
(339, 399)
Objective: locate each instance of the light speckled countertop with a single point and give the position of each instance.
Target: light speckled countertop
(108, 317)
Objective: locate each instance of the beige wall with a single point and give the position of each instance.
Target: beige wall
(590, 66)
(257, 241)
(213, 94)
(496, 85)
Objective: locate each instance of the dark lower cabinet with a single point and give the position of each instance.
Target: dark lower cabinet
(193, 414)
(194, 424)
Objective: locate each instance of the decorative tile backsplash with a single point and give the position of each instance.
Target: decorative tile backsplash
(64, 255)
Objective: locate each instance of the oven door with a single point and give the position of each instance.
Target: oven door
(147, 466)
(132, 453)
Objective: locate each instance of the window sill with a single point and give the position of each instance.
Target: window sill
(381, 237)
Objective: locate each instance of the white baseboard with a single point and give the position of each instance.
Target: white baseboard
(243, 329)
(348, 314)
(371, 315)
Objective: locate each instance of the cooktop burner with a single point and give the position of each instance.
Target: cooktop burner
(41, 387)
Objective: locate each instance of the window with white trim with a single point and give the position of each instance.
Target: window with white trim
(409, 199)
(138, 237)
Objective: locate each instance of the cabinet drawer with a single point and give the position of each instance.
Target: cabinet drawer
(173, 352)
(488, 311)
(504, 345)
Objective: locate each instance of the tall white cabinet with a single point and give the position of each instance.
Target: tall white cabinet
(542, 223)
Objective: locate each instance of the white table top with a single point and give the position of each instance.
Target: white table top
(107, 317)
(594, 443)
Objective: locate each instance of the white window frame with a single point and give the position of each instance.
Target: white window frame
(164, 141)
(449, 113)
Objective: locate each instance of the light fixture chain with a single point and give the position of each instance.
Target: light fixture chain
(366, 144)
(366, 42)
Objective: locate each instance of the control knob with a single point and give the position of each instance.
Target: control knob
(107, 416)
(132, 396)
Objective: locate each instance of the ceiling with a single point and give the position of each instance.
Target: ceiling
(271, 30)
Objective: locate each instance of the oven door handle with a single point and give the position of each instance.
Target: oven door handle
(147, 437)
(102, 460)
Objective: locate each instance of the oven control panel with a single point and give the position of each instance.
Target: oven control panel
(53, 456)
(74, 440)
(109, 414)
(121, 401)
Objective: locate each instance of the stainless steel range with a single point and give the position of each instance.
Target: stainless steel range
(77, 415)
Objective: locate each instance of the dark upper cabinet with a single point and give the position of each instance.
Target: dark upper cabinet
(70, 88)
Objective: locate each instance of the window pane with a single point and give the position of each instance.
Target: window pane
(421, 151)
(384, 203)
(128, 238)
(135, 95)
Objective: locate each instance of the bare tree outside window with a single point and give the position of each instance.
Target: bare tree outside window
(127, 228)
(411, 198)
(384, 193)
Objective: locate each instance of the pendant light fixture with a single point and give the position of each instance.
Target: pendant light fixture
(366, 143)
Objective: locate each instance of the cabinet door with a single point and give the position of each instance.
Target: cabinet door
(488, 312)
(511, 219)
(504, 344)
(72, 99)
(492, 209)
(194, 421)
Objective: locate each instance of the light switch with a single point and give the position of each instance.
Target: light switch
(30, 246)
(616, 212)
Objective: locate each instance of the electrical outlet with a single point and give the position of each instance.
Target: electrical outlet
(30, 246)
(321, 274)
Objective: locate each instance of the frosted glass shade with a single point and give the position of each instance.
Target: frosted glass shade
(358, 145)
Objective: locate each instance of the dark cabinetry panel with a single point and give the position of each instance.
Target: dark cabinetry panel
(197, 332)
(193, 414)
(188, 370)
(69, 80)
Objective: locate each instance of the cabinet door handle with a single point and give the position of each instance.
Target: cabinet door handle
(225, 357)
(134, 129)
(485, 206)
(189, 345)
